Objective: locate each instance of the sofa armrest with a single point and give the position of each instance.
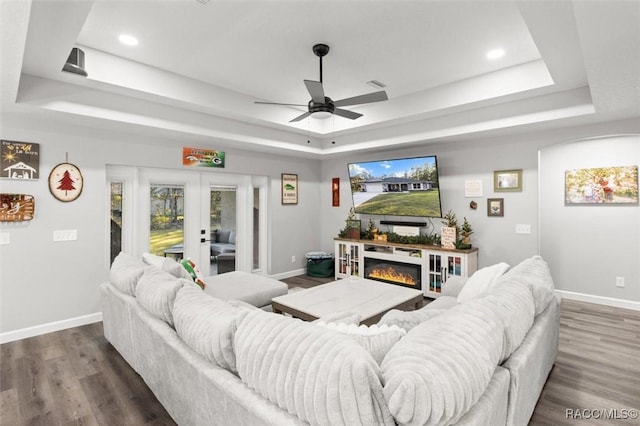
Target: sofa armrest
(453, 286)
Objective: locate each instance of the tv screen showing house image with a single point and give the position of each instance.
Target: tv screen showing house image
(397, 187)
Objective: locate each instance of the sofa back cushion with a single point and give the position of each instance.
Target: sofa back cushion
(480, 283)
(207, 325)
(314, 373)
(514, 304)
(440, 369)
(156, 292)
(125, 273)
(222, 236)
(535, 273)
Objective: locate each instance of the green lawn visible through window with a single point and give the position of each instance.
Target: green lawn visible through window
(162, 239)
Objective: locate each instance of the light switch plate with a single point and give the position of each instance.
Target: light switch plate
(65, 235)
(523, 229)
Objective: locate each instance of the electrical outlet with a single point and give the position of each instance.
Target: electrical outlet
(619, 281)
(293, 259)
(65, 235)
(5, 238)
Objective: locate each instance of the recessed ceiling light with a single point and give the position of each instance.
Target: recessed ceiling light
(127, 39)
(495, 53)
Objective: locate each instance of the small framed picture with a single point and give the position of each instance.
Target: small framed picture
(289, 186)
(495, 207)
(507, 180)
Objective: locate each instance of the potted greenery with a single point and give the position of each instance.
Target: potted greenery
(466, 230)
(449, 232)
(352, 229)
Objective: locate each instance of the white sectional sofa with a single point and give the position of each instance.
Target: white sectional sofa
(483, 361)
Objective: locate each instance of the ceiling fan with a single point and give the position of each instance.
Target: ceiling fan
(322, 106)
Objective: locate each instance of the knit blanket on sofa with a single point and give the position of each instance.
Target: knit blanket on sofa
(440, 369)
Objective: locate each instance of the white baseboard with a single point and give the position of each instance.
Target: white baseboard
(600, 300)
(37, 330)
(289, 274)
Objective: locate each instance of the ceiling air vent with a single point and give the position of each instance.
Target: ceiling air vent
(75, 62)
(377, 84)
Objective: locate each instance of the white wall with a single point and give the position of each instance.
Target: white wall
(42, 281)
(495, 236)
(588, 246)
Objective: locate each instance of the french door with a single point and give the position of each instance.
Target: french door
(180, 214)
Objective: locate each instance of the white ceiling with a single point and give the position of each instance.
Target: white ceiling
(200, 66)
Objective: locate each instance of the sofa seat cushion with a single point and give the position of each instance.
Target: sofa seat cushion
(156, 292)
(319, 375)
(441, 368)
(251, 288)
(535, 273)
(125, 273)
(207, 325)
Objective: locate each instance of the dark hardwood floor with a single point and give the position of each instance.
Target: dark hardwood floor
(76, 377)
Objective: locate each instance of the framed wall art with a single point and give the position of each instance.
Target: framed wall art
(602, 185)
(289, 188)
(335, 192)
(495, 207)
(16, 207)
(19, 160)
(507, 180)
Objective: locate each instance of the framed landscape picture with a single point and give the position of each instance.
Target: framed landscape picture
(507, 180)
(602, 185)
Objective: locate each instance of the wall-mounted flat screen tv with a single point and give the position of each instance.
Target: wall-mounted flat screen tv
(397, 187)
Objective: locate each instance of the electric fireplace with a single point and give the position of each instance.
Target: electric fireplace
(388, 271)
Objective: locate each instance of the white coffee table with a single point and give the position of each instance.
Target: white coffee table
(371, 299)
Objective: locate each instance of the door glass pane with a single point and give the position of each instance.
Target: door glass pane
(167, 220)
(116, 218)
(256, 228)
(223, 229)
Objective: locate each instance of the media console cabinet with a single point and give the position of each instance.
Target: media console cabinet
(423, 267)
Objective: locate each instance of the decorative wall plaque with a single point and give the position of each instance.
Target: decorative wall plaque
(65, 182)
(16, 207)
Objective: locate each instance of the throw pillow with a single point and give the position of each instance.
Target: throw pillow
(156, 292)
(406, 320)
(176, 269)
(442, 367)
(232, 237)
(536, 274)
(194, 272)
(481, 281)
(318, 375)
(153, 260)
(377, 340)
(207, 325)
(125, 273)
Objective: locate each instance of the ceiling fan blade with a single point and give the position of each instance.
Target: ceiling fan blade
(363, 99)
(346, 113)
(300, 117)
(315, 90)
(277, 103)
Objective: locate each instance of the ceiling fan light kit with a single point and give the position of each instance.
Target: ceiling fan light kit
(321, 106)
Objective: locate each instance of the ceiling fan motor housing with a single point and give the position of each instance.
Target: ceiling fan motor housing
(327, 106)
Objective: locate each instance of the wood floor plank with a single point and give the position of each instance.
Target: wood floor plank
(75, 377)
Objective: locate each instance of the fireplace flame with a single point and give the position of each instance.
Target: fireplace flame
(390, 274)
